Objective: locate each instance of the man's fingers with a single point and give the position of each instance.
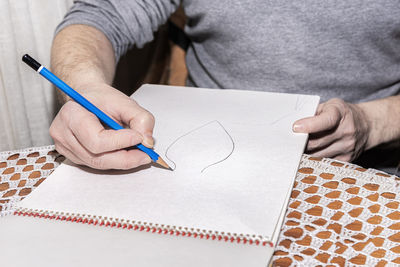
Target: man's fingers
(91, 134)
(327, 152)
(329, 118)
(120, 159)
(109, 140)
(320, 142)
(63, 150)
(337, 150)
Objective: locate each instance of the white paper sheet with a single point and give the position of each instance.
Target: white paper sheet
(234, 154)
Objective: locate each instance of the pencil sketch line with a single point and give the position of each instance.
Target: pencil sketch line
(230, 153)
(300, 103)
(280, 118)
(176, 140)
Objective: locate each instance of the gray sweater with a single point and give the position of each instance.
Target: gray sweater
(341, 48)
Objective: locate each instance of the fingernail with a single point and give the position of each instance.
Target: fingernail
(298, 128)
(148, 140)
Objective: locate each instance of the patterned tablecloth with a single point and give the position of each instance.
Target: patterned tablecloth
(339, 214)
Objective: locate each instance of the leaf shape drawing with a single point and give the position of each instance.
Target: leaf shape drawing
(201, 148)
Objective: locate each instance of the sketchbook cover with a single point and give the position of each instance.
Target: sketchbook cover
(234, 157)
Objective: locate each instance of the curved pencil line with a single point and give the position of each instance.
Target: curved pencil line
(233, 148)
(176, 140)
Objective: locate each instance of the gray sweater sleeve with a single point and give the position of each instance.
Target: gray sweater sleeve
(124, 22)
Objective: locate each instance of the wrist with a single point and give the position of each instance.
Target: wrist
(373, 125)
(82, 86)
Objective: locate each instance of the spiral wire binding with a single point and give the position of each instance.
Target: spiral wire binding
(145, 226)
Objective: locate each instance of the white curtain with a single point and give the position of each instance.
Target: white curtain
(27, 101)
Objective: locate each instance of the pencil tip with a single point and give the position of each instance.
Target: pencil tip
(163, 163)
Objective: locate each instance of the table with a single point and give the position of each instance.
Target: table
(339, 214)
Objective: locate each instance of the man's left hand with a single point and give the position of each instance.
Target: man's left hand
(339, 130)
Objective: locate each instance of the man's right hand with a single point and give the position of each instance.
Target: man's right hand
(79, 135)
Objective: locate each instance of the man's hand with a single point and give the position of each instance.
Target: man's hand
(79, 135)
(339, 130)
(84, 58)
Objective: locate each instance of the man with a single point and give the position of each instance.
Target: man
(348, 52)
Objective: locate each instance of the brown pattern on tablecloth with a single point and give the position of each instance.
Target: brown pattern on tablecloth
(23, 170)
(339, 214)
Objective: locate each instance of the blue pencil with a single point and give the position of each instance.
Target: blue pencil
(86, 104)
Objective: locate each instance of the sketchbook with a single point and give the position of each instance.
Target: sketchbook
(234, 157)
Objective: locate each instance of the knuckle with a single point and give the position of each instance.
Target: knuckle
(151, 117)
(351, 144)
(332, 120)
(62, 114)
(117, 141)
(146, 117)
(336, 101)
(347, 158)
(312, 145)
(60, 149)
(344, 157)
(96, 162)
(66, 111)
(347, 146)
(132, 102)
(127, 164)
(94, 145)
(130, 141)
(54, 133)
(109, 141)
(351, 131)
(337, 106)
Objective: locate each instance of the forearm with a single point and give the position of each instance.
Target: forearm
(383, 117)
(82, 55)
